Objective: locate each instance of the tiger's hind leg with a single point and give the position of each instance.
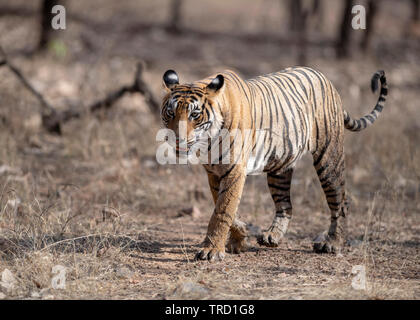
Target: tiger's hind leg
(329, 165)
(279, 185)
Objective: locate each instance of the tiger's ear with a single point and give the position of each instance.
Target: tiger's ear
(170, 79)
(216, 84)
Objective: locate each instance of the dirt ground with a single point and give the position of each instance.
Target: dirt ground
(95, 200)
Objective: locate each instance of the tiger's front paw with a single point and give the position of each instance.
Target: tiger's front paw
(211, 254)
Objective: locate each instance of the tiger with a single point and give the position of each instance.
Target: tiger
(294, 111)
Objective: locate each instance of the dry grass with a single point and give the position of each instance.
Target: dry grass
(96, 201)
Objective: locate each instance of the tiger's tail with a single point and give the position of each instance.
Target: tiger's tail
(364, 122)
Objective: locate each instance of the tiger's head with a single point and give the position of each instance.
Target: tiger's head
(190, 111)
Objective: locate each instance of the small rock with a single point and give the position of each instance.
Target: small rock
(33, 122)
(124, 272)
(35, 294)
(2, 296)
(8, 280)
(400, 182)
(4, 169)
(45, 292)
(190, 288)
(194, 212)
(129, 163)
(66, 88)
(16, 204)
(150, 163)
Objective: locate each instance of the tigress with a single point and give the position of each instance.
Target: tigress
(293, 111)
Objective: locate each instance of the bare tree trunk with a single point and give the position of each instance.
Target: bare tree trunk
(295, 8)
(302, 38)
(343, 43)
(299, 16)
(317, 6)
(45, 23)
(318, 13)
(174, 25)
(416, 10)
(370, 23)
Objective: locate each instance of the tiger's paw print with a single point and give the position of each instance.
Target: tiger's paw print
(270, 238)
(324, 243)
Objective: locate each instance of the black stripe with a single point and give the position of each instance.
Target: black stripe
(379, 108)
(227, 172)
(282, 188)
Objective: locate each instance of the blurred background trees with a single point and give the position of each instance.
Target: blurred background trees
(46, 16)
(299, 12)
(184, 31)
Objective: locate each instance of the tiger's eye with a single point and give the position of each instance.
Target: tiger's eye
(195, 114)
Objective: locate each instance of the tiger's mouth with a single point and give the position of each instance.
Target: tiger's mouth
(177, 148)
(185, 147)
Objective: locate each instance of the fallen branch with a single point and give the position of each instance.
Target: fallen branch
(52, 119)
(138, 86)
